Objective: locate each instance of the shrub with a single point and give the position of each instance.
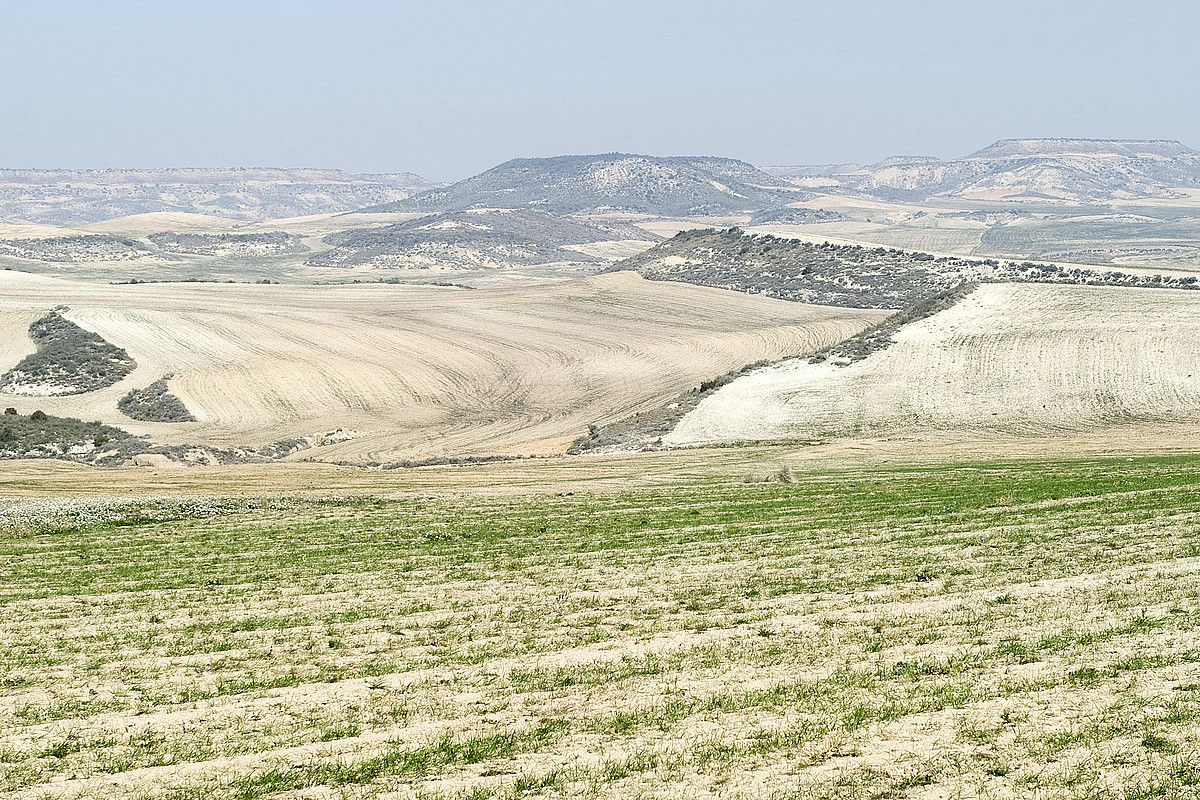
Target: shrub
(154, 404)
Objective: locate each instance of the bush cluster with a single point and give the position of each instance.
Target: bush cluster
(154, 403)
(68, 358)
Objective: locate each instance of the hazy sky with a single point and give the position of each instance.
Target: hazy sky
(446, 89)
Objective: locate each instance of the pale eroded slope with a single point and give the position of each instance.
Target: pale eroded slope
(1012, 358)
(412, 371)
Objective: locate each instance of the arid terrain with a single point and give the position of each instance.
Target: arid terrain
(605, 476)
(599, 401)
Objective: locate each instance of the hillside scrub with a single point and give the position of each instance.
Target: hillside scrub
(71, 249)
(45, 436)
(795, 216)
(69, 360)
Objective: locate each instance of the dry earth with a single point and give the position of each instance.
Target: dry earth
(412, 371)
(1010, 358)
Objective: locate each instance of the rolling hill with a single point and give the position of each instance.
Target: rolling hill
(78, 197)
(665, 186)
(408, 372)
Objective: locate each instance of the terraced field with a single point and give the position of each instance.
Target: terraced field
(411, 371)
(1020, 629)
(1010, 358)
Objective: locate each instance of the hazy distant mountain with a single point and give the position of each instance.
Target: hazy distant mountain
(1013, 169)
(671, 186)
(804, 171)
(476, 238)
(77, 197)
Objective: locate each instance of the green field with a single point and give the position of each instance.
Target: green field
(1023, 629)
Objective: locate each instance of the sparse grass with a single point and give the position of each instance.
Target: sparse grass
(987, 630)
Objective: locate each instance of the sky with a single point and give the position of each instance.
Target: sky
(446, 89)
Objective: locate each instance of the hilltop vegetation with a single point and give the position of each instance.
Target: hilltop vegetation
(485, 237)
(154, 403)
(794, 216)
(846, 275)
(670, 186)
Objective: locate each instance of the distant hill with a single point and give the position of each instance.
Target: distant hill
(1079, 170)
(794, 216)
(1131, 148)
(488, 238)
(668, 186)
(79, 197)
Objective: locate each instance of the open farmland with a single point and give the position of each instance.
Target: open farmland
(1008, 629)
(410, 371)
(1021, 359)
